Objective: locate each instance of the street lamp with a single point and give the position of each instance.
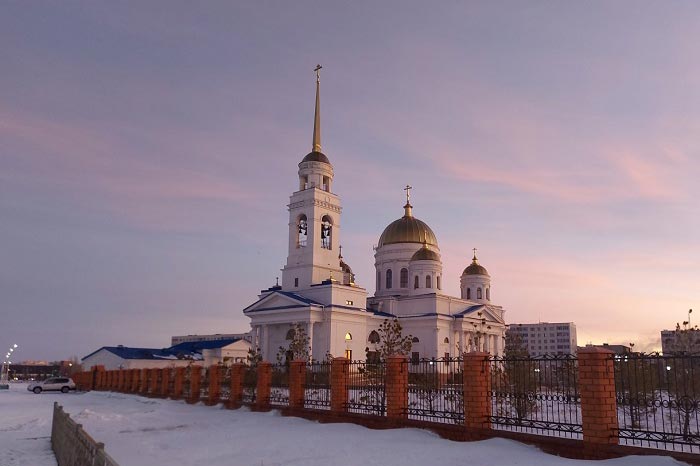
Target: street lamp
(5, 369)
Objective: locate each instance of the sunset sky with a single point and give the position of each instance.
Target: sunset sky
(148, 151)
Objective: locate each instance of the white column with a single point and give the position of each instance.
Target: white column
(461, 342)
(265, 337)
(310, 333)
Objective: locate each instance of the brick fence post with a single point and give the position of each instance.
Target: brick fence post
(155, 375)
(214, 385)
(135, 376)
(195, 383)
(340, 380)
(396, 386)
(143, 388)
(297, 380)
(236, 390)
(262, 400)
(596, 382)
(164, 382)
(177, 383)
(477, 391)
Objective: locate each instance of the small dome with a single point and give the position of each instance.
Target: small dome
(425, 254)
(407, 229)
(316, 156)
(475, 268)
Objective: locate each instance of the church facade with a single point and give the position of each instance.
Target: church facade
(318, 289)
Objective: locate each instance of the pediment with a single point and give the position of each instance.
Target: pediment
(278, 300)
(486, 313)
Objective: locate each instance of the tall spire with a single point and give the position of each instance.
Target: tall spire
(316, 147)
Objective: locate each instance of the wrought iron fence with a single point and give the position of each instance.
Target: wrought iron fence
(279, 388)
(657, 401)
(224, 383)
(536, 395)
(436, 390)
(250, 382)
(317, 386)
(367, 387)
(204, 383)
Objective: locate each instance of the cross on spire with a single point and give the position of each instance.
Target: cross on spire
(408, 193)
(474, 258)
(316, 144)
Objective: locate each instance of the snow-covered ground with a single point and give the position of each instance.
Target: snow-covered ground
(151, 432)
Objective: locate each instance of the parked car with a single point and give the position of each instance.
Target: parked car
(62, 384)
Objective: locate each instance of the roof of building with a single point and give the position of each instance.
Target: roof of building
(407, 229)
(315, 156)
(185, 350)
(425, 254)
(475, 268)
(198, 346)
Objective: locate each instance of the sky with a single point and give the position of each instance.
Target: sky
(148, 151)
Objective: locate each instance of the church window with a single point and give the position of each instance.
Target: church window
(428, 281)
(478, 293)
(326, 183)
(415, 340)
(348, 302)
(488, 294)
(290, 334)
(303, 182)
(326, 232)
(415, 282)
(373, 337)
(404, 278)
(439, 285)
(446, 341)
(296, 282)
(469, 293)
(302, 230)
(389, 279)
(348, 336)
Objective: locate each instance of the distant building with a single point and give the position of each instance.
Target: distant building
(203, 353)
(176, 340)
(617, 349)
(38, 370)
(545, 337)
(680, 341)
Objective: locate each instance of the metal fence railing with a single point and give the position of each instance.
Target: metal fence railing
(657, 401)
(436, 390)
(224, 383)
(536, 395)
(279, 388)
(367, 387)
(317, 386)
(250, 381)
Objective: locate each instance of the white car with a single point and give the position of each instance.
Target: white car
(62, 384)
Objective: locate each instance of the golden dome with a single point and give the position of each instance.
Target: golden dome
(475, 268)
(407, 229)
(425, 254)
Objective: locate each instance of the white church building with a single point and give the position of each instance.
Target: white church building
(318, 289)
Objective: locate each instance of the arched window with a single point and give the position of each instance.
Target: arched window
(488, 294)
(428, 281)
(446, 341)
(415, 340)
(290, 334)
(302, 231)
(478, 293)
(389, 279)
(469, 293)
(326, 232)
(439, 287)
(348, 336)
(404, 278)
(373, 337)
(415, 282)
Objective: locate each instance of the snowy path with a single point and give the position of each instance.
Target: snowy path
(151, 432)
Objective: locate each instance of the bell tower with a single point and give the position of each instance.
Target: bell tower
(314, 218)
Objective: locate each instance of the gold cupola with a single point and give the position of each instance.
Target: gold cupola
(408, 229)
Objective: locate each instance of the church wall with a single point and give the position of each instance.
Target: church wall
(356, 325)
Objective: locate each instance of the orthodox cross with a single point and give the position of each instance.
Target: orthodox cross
(408, 193)
(317, 69)
(474, 249)
(340, 252)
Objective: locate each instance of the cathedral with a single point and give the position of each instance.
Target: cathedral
(318, 289)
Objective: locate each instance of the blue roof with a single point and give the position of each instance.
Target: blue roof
(187, 348)
(288, 294)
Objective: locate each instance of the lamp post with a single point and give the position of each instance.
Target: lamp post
(5, 368)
